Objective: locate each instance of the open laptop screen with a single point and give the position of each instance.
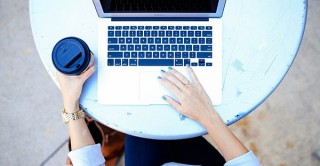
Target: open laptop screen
(159, 6)
(150, 8)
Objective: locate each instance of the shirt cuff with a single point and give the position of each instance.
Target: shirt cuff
(90, 155)
(247, 159)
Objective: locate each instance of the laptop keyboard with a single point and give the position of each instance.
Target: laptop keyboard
(159, 45)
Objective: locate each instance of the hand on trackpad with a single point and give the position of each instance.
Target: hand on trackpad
(151, 91)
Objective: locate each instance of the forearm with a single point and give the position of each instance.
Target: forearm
(224, 140)
(80, 135)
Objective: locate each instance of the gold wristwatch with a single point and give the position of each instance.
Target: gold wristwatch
(67, 117)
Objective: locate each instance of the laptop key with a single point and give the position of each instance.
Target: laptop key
(194, 64)
(208, 40)
(113, 47)
(124, 62)
(125, 27)
(192, 55)
(125, 33)
(168, 33)
(141, 54)
(178, 62)
(204, 54)
(163, 27)
(178, 27)
(148, 27)
(163, 54)
(170, 54)
(201, 40)
(201, 27)
(137, 47)
(198, 33)
(139, 33)
(175, 33)
(128, 40)
(170, 27)
(179, 40)
(156, 62)
(118, 33)
(207, 33)
(150, 40)
(208, 27)
(112, 40)
(166, 47)
(183, 33)
(133, 54)
(155, 27)
(185, 55)
(111, 33)
(110, 27)
(126, 54)
(130, 47)
(140, 27)
(190, 33)
(161, 33)
(194, 40)
(158, 40)
(159, 47)
(123, 47)
(172, 40)
(155, 54)
(182, 47)
(146, 33)
(185, 27)
(118, 27)
(154, 33)
(143, 40)
(188, 47)
(194, 28)
(148, 54)
(144, 47)
(115, 54)
(206, 48)
(208, 64)
(152, 47)
(110, 62)
(136, 40)
(177, 54)
(133, 33)
(121, 40)
(174, 47)
(117, 62)
(186, 62)
(165, 40)
(133, 27)
(133, 62)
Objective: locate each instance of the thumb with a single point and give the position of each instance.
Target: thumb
(88, 73)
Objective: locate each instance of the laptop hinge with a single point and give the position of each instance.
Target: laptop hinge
(160, 19)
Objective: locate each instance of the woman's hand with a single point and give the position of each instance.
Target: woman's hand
(193, 101)
(71, 87)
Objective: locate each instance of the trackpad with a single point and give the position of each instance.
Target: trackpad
(151, 90)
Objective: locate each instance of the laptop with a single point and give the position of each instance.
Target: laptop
(138, 38)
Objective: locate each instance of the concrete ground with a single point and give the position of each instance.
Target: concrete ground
(284, 130)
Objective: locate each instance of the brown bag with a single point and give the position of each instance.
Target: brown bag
(112, 141)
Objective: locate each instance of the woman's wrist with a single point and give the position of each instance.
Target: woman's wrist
(71, 107)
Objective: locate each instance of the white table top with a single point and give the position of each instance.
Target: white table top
(260, 42)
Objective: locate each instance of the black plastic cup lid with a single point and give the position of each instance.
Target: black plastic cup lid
(71, 56)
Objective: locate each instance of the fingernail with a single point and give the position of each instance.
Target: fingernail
(188, 65)
(94, 68)
(162, 71)
(170, 68)
(159, 77)
(164, 98)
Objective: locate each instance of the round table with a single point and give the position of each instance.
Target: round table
(260, 42)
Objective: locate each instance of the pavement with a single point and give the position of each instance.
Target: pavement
(283, 131)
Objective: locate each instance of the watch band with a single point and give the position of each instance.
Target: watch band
(67, 117)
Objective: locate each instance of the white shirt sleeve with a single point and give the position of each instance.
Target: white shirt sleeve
(87, 156)
(248, 159)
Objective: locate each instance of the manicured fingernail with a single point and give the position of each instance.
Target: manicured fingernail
(94, 68)
(159, 77)
(170, 68)
(164, 98)
(162, 71)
